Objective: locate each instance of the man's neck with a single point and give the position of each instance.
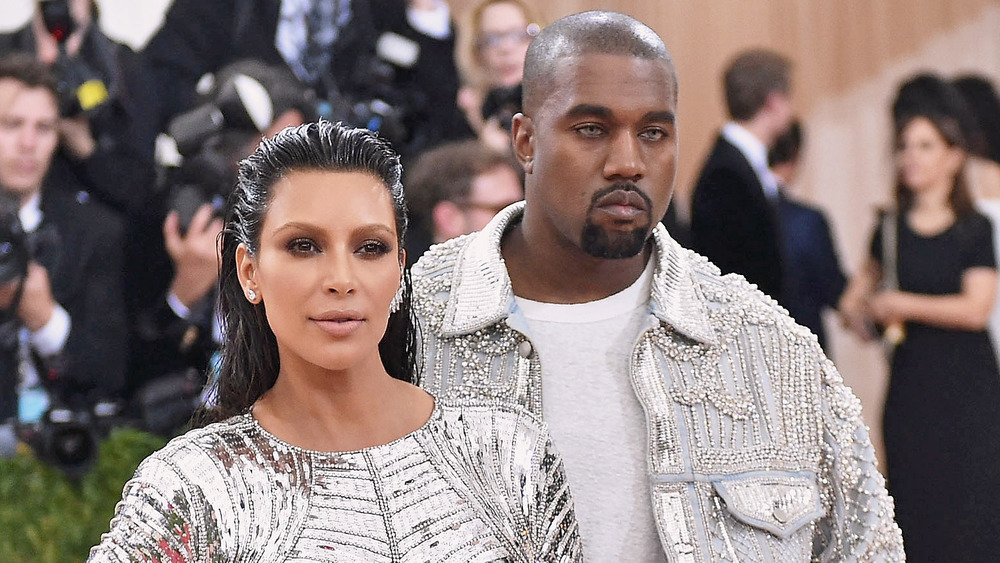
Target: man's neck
(760, 128)
(552, 274)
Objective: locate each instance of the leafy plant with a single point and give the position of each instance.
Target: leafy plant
(46, 518)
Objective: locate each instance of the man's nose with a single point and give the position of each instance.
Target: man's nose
(625, 158)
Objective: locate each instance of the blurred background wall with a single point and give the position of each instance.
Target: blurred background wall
(849, 58)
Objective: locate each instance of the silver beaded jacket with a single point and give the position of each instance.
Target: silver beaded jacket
(477, 482)
(756, 447)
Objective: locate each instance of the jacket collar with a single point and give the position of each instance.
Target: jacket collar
(481, 290)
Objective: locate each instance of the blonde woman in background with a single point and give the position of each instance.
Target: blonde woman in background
(491, 45)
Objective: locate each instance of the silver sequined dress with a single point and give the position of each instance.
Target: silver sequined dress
(477, 482)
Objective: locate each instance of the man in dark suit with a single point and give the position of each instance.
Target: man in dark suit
(813, 277)
(734, 206)
(65, 308)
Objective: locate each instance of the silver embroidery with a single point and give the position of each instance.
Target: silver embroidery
(731, 387)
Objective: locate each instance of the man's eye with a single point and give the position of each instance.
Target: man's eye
(589, 130)
(654, 134)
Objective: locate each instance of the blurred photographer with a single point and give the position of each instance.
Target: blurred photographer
(416, 41)
(64, 312)
(106, 125)
(329, 45)
(176, 331)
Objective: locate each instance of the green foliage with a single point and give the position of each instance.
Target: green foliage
(46, 518)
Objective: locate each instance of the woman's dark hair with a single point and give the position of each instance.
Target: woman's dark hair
(950, 129)
(250, 360)
(984, 103)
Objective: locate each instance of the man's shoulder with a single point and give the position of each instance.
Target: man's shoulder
(440, 259)
(730, 297)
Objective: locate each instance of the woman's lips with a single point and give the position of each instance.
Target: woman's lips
(339, 323)
(339, 328)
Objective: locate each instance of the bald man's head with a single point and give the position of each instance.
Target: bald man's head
(594, 32)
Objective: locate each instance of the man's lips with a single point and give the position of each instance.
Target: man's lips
(621, 204)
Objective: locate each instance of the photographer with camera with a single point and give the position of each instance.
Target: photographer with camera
(65, 310)
(106, 131)
(177, 333)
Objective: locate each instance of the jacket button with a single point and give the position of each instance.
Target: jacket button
(524, 349)
(780, 514)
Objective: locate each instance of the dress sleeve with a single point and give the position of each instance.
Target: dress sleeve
(553, 534)
(161, 517)
(980, 251)
(859, 525)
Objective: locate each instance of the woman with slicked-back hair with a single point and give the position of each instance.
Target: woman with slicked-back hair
(317, 445)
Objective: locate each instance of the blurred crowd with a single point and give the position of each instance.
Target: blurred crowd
(112, 190)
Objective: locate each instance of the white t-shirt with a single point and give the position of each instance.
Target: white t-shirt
(595, 419)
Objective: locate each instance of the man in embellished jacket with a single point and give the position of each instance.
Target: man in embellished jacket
(697, 421)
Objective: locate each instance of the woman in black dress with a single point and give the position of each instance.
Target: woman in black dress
(942, 411)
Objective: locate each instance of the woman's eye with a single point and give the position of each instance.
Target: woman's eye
(302, 246)
(374, 248)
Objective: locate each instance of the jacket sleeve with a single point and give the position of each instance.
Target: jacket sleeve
(859, 524)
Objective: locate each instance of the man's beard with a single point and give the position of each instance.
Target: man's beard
(600, 242)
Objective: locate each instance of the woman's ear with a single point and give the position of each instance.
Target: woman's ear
(246, 269)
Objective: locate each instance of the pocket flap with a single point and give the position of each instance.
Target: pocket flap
(780, 504)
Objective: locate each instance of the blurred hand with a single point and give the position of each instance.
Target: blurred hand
(856, 317)
(494, 136)
(194, 254)
(887, 307)
(37, 303)
(76, 136)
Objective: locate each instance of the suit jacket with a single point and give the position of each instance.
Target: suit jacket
(84, 262)
(813, 276)
(732, 221)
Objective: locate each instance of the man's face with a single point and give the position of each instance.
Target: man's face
(490, 192)
(600, 154)
(28, 136)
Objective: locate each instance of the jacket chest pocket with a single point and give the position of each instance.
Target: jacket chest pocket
(766, 516)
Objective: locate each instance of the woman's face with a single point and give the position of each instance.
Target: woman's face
(327, 267)
(502, 42)
(924, 158)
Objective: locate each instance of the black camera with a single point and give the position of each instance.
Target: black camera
(237, 103)
(64, 438)
(14, 251)
(502, 102)
(81, 88)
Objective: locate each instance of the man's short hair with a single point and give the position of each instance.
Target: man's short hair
(594, 32)
(446, 173)
(29, 71)
(751, 77)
